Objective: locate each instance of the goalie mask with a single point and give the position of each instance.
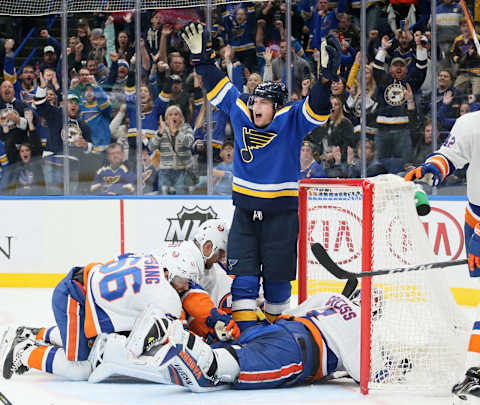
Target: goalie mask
(215, 231)
(181, 263)
(277, 93)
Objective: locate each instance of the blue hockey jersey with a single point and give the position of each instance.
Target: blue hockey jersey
(266, 160)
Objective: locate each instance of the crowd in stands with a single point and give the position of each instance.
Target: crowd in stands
(251, 46)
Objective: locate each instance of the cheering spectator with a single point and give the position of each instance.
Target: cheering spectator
(393, 137)
(114, 178)
(174, 139)
(223, 172)
(26, 176)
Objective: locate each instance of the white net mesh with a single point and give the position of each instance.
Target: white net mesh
(418, 334)
(43, 7)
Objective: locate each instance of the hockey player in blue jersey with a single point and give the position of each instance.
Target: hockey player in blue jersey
(268, 134)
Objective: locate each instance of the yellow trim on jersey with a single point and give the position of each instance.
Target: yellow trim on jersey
(214, 92)
(282, 111)
(318, 117)
(104, 105)
(264, 194)
(10, 78)
(244, 108)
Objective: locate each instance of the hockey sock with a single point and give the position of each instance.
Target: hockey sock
(244, 300)
(49, 336)
(52, 359)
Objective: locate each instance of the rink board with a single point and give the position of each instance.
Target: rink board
(42, 238)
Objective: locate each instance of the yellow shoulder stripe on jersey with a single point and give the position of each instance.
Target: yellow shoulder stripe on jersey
(264, 194)
(244, 108)
(318, 117)
(214, 92)
(282, 110)
(104, 105)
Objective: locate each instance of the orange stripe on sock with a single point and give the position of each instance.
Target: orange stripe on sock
(41, 334)
(72, 342)
(35, 360)
(474, 344)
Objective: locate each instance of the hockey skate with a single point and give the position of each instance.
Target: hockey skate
(12, 345)
(468, 391)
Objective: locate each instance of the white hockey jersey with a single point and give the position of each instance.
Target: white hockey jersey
(218, 285)
(338, 321)
(118, 292)
(462, 147)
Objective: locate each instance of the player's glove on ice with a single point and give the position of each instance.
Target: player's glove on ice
(330, 57)
(474, 249)
(197, 40)
(223, 325)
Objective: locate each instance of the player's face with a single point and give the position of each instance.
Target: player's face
(262, 112)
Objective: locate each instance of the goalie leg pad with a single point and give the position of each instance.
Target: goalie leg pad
(109, 357)
(150, 329)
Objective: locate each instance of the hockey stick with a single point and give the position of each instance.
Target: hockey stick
(326, 261)
(349, 287)
(470, 25)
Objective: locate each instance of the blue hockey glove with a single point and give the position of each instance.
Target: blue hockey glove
(224, 327)
(330, 57)
(474, 249)
(199, 43)
(427, 168)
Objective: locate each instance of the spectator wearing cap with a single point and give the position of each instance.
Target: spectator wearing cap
(51, 52)
(78, 138)
(116, 80)
(172, 92)
(309, 167)
(393, 136)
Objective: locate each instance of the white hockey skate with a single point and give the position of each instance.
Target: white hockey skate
(12, 345)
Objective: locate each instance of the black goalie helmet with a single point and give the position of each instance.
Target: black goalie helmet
(277, 93)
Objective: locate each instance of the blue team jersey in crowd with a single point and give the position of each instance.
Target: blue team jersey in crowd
(266, 160)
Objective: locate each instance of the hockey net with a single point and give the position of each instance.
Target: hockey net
(414, 337)
(44, 7)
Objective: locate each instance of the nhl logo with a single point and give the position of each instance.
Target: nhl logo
(187, 222)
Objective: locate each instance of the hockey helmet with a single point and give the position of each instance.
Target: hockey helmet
(181, 262)
(215, 231)
(277, 93)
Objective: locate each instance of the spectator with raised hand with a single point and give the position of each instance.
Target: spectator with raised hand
(153, 35)
(174, 139)
(449, 14)
(240, 31)
(116, 80)
(51, 51)
(114, 178)
(467, 59)
(14, 125)
(393, 137)
(96, 111)
(25, 87)
(119, 129)
(125, 49)
(78, 138)
(354, 100)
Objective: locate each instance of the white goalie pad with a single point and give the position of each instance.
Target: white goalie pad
(150, 329)
(109, 357)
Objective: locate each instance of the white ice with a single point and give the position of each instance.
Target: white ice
(32, 307)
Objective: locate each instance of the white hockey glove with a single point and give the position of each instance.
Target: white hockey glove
(199, 44)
